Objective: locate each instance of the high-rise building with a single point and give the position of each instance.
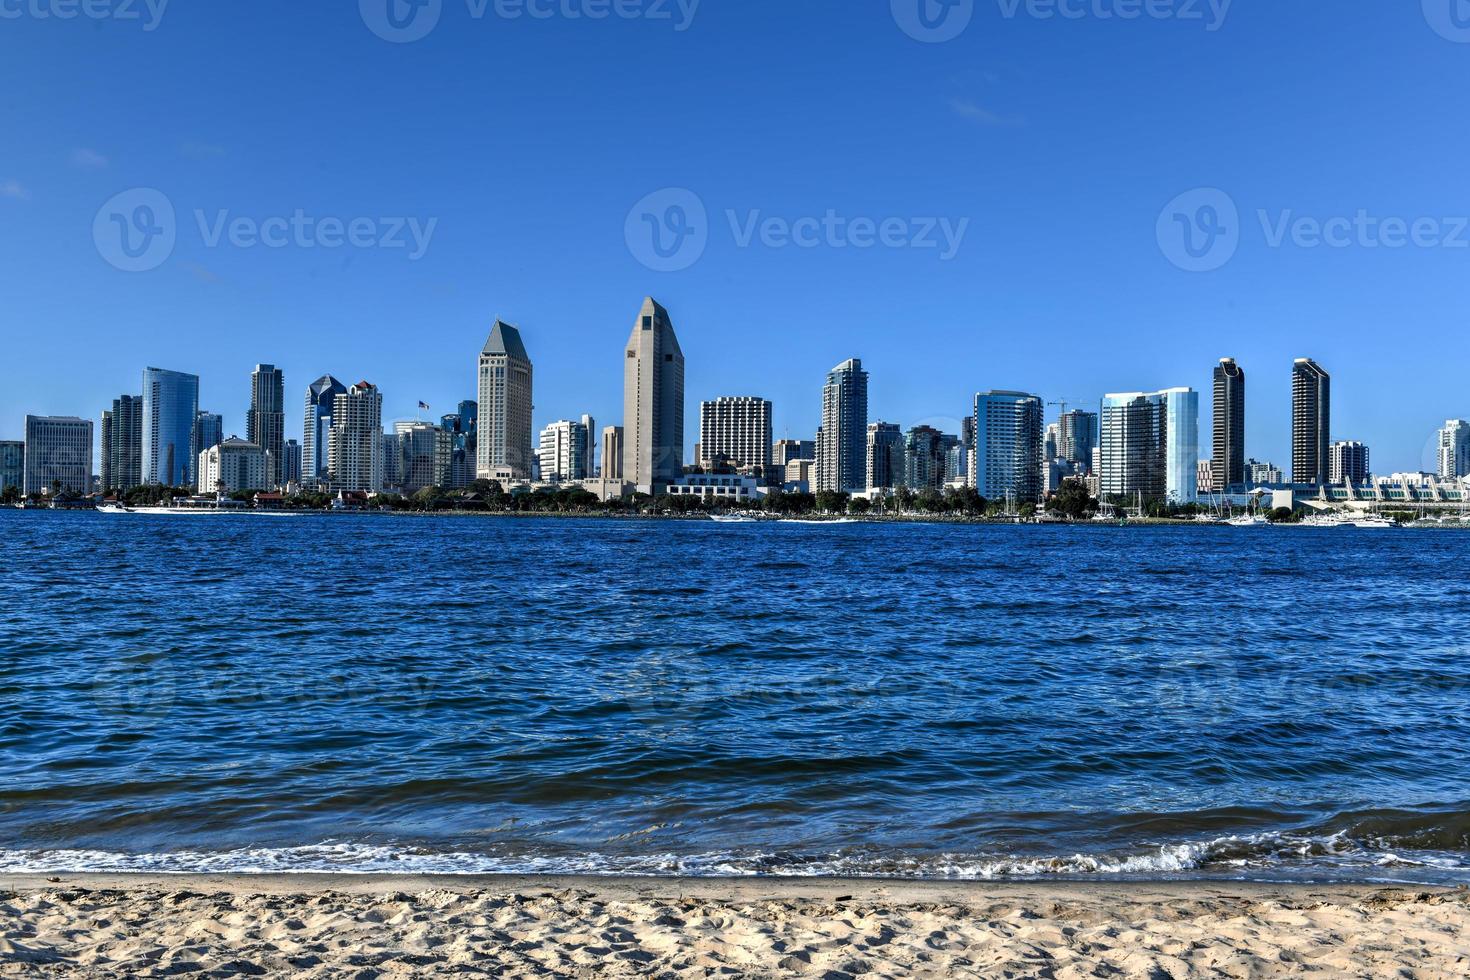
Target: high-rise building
(232, 466)
(1205, 476)
(170, 403)
(58, 455)
(503, 431)
(209, 431)
(735, 432)
(1260, 474)
(1348, 463)
(842, 439)
(1077, 438)
(565, 451)
(788, 451)
(291, 464)
(265, 421)
(1454, 449)
(1150, 445)
(122, 444)
(1228, 461)
(653, 401)
(1311, 422)
(885, 463)
(424, 457)
(12, 464)
(355, 444)
(924, 458)
(1008, 445)
(321, 398)
(612, 453)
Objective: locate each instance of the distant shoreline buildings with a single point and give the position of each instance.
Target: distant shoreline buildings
(1136, 446)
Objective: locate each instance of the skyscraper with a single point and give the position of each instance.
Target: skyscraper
(885, 460)
(612, 453)
(209, 431)
(1150, 445)
(265, 421)
(1311, 422)
(1454, 449)
(355, 443)
(1228, 462)
(653, 401)
(122, 444)
(842, 439)
(321, 398)
(58, 455)
(425, 456)
(1008, 445)
(503, 432)
(924, 461)
(565, 451)
(1077, 438)
(736, 432)
(1348, 463)
(12, 464)
(170, 402)
(291, 464)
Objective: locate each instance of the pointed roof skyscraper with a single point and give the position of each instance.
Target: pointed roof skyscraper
(503, 445)
(653, 401)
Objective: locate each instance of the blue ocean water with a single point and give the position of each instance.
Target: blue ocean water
(481, 694)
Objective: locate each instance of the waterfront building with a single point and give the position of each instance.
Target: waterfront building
(1150, 445)
(233, 466)
(1311, 423)
(735, 433)
(716, 488)
(956, 460)
(565, 451)
(265, 421)
(1348, 463)
(291, 464)
(12, 464)
(1228, 462)
(170, 404)
(122, 444)
(923, 458)
(58, 455)
(885, 465)
(355, 456)
(1454, 449)
(321, 397)
(1260, 474)
(1206, 476)
(842, 439)
(423, 458)
(1077, 439)
(1052, 442)
(612, 453)
(209, 431)
(503, 432)
(799, 476)
(653, 401)
(1008, 445)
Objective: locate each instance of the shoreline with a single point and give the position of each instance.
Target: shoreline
(522, 926)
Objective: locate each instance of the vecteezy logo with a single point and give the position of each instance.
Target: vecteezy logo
(1449, 18)
(668, 230)
(401, 21)
(136, 230)
(933, 21)
(1199, 231)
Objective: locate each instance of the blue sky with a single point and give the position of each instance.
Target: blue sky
(1056, 143)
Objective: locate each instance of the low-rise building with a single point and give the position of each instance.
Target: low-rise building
(232, 466)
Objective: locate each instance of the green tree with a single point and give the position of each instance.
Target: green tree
(1072, 501)
(859, 505)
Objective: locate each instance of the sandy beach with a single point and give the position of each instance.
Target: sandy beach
(362, 927)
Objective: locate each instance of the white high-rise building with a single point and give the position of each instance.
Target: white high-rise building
(1454, 449)
(232, 466)
(355, 443)
(58, 455)
(1348, 462)
(653, 401)
(1150, 445)
(566, 451)
(842, 439)
(1009, 435)
(736, 432)
(503, 435)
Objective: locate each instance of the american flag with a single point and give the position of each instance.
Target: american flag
(424, 406)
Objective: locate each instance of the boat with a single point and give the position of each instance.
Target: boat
(1248, 520)
(113, 507)
(734, 519)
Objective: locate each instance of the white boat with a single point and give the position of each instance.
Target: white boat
(1249, 520)
(734, 519)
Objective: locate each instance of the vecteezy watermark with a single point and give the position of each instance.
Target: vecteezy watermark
(147, 12)
(1201, 230)
(936, 21)
(669, 230)
(406, 21)
(1449, 18)
(137, 231)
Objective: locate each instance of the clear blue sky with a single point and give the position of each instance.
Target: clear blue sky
(1060, 140)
